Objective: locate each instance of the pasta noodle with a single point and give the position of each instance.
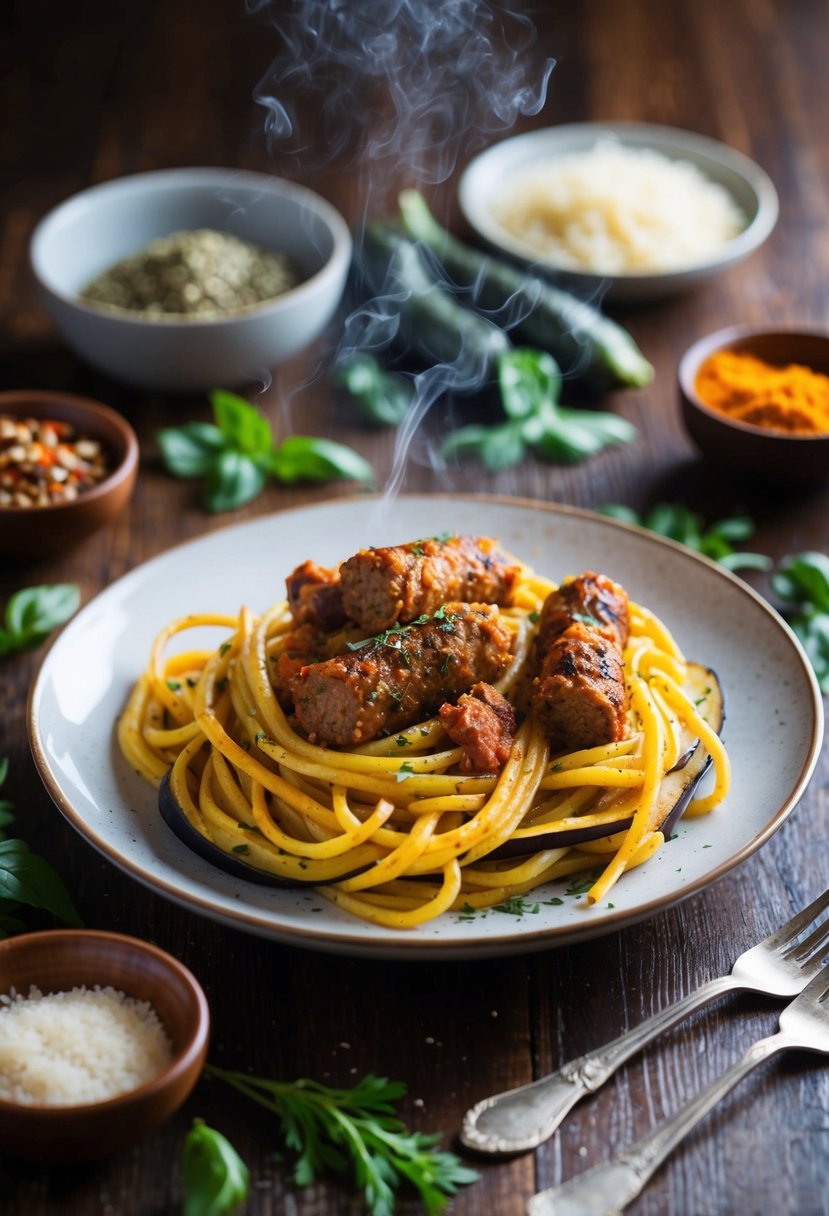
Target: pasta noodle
(391, 831)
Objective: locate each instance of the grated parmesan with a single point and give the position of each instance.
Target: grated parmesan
(85, 1045)
(620, 210)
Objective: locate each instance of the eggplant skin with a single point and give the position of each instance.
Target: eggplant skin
(180, 826)
(678, 786)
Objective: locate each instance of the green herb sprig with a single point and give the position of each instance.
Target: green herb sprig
(802, 581)
(382, 397)
(216, 1179)
(530, 385)
(679, 523)
(236, 454)
(26, 879)
(355, 1129)
(6, 805)
(32, 613)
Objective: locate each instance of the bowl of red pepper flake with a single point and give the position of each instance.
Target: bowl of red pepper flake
(67, 467)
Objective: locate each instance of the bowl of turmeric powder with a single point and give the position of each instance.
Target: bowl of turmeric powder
(756, 402)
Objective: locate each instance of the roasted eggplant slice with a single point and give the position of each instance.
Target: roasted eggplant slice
(677, 790)
(180, 825)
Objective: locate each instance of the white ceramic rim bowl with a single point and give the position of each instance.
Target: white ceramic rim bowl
(485, 177)
(98, 227)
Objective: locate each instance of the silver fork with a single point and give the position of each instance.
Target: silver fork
(521, 1119)
(608, 1188)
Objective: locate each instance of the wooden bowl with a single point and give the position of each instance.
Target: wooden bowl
(738, 448)
(29, 533)
(62, 959)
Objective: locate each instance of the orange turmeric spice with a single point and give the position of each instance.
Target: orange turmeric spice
(794, 398)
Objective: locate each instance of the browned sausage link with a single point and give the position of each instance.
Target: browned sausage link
(315, 597)
(394, 681)
(590, 599)
(482, 723)
(382, 587)
(579, 697)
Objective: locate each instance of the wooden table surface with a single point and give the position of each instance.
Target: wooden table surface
(95, 91)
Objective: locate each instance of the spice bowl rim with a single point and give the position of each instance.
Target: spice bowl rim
(776, 458)
(86, 1125)
(36, 403)
(198, 176)
(478, 188)
(92, 230)
(734, 337)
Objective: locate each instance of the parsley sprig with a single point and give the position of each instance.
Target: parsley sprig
(32, 613)
(339, 1129)
(236, 454)
(392, 637)
(530, 387)
(802, 581)
(679, 523)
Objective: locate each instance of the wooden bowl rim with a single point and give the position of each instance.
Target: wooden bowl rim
(36, 403)
(182, 1061)
(732, 338)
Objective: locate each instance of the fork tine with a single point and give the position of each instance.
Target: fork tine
(793, 928)
(810, 945)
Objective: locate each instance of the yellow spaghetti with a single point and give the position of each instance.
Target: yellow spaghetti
(390, 831)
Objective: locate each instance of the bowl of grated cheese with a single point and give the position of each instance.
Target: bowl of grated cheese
(631, 210)
(102, 1038)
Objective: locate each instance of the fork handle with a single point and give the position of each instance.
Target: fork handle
(606, 1189)
(521, 1119)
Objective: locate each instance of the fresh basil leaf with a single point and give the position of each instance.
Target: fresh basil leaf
(813, 631)
(527, 379)
(302, 458)
(32, 614)
(615, 510)
(216, 1179)
(676, 522)
(497, 448)
(744, 561)
(381, 396)
(804, 579)
(234, 479)
(573, 435)
(243, 425)
(4, 769)
(190, 450)
(26, 878)
(738, 527)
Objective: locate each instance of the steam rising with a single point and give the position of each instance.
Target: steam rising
(439, 79)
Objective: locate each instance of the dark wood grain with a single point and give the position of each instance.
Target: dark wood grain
(92, 91)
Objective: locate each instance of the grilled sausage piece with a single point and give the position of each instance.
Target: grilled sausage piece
(592, 599)
(382, 587)
(394, 681)
(579, 696)
(482, 723)
(315, 597)
(579, 692)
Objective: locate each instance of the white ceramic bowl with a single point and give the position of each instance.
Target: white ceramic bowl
(91, 231)
(483, 182)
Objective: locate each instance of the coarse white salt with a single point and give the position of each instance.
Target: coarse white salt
(84, 1045)
(615, 209)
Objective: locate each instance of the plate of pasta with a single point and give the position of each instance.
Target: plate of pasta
(428, 727)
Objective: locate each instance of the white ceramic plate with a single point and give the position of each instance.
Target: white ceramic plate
(773, 730)
(482, 185)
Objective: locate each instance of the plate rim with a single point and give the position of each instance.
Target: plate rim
(389, 943)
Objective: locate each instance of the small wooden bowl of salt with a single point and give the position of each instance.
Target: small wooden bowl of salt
(102, 1038)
